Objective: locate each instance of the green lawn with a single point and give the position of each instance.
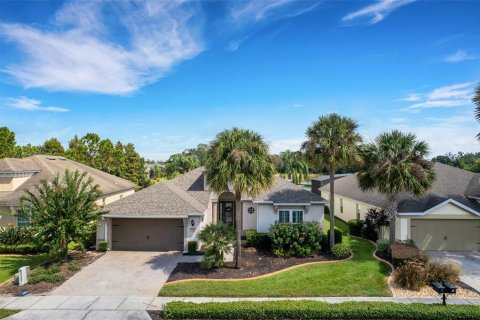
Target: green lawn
(362, 275)
(9, 264)
(6, 313)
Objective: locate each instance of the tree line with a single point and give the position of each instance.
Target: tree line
(119, 159)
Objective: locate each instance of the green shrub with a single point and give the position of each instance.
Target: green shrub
(73, 266)
(326, 239)
(51, 275)
(383, 245)
(355, 227)
(22, 249)
(218, 240)
(341, 250)
(192, 247)
(258, 240)
(296, 240)
(449, 272)
(411, 275)
(13, 235)
(402, 252)
(249, 237)
(302, 309)
(103, 246)
(374, 220)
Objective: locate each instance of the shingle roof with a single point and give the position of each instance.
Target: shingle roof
(450, 183)
(186, 195)
(47, 167)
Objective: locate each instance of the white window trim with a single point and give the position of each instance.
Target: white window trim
(290, 215)
(23, 222)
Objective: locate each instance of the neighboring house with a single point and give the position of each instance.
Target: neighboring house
(446, 218)
(166, 215)
(18, 175)
(321, 181)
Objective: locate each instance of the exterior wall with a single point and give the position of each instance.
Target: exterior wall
(249, 219)
(11, 184)
(104, 231)
(267, 216)
(6, 220)
(104, 200)
(349, 207)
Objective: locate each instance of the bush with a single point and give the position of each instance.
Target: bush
(303, 309)
(218, 240)
(411, 275)
(13, 235)
(22, 249)
(192, 247)
(355, 227)
(258, 240)
(402, 252)
(296, 240)
(341, 250)
(326, 239)
(73, 266)
(374, 219)
(51, 275)
(449, 272)
(383, 245)
(103, 246)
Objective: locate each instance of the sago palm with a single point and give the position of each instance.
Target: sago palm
(332, 141)
(238, 161)
(294, 166)
(394, 164)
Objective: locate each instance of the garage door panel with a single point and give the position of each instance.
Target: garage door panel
(147, 234)
(438, 234)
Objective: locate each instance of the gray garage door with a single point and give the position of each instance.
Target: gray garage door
(430, 234)
(147, 234)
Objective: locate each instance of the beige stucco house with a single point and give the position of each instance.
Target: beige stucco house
(18, 175)
(446, 218)
(169, 214)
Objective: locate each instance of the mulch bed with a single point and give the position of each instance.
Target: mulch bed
(83, 259)
(254, 263)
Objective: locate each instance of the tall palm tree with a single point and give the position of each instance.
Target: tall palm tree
(332, 141)
(476, 100)
(393, 164)
(294, 166)
(238, 160)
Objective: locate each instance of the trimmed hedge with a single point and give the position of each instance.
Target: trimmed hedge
(355, 227)
(304, 309)
(341, 250)
(192, 247)
(21, 249)
(103, 246)
(258, 240)
(296, 240)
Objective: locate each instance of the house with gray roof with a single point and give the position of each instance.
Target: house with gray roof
(169, 214)
(446, 218)
(18, 175)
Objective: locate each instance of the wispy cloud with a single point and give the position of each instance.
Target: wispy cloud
(256, 10)
(444, 97)
(458, 56)
(376, 12)
(75, 53)
(25, 103)
(412, 97)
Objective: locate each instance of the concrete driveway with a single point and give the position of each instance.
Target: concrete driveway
(124, 273)
(469, 262)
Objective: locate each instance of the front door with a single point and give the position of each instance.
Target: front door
(226, 212)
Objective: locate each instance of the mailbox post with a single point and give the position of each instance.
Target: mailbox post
(444, 288)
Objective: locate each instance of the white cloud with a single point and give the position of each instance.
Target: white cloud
(77, 54)
(458, 56)
(444, 97)
(412, 97)
(376, 12)
(25, 103)
(256, 9)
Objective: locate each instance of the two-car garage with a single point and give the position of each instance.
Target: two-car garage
(146, 234)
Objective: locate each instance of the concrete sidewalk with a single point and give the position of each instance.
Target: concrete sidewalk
(134, 308)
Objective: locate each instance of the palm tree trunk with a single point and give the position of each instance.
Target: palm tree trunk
(392, 217)
(238, 227)
(332, 207)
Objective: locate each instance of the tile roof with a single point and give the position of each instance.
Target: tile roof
(46, 167)
(450, 183)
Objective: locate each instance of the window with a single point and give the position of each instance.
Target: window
(341, 205)
(284, 216)
(293, 216)
(22, 220)
(297, 216)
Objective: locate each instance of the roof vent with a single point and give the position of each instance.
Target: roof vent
(51, 158)
(62, 158)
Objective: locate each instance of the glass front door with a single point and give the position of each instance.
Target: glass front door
(226, 212)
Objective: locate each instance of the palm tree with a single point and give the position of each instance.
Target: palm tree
(476, 100)
(294, 166)
(238, 160)
(393, 164)
(332, 141)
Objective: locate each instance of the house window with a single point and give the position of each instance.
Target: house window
(22, 220)
(297, 216)
(341, 205)
(284, 216)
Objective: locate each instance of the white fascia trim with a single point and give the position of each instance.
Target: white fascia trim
(146, 216)
(454, 202)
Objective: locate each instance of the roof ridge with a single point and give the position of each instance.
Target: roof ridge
(42, 162)
(185, 196)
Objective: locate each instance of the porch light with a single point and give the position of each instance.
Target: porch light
(192, 222)
(444, 288)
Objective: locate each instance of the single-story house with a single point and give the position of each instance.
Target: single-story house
(169, 214)
(318, 182)
(18, 175)
(446, 218)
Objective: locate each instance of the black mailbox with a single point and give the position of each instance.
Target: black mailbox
(449, 288)
(444, 288)
(438, 287)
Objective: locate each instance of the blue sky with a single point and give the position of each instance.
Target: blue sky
(169, 75)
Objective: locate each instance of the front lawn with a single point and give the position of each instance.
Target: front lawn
(9, 264)
(362, 275)
(6, 313)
